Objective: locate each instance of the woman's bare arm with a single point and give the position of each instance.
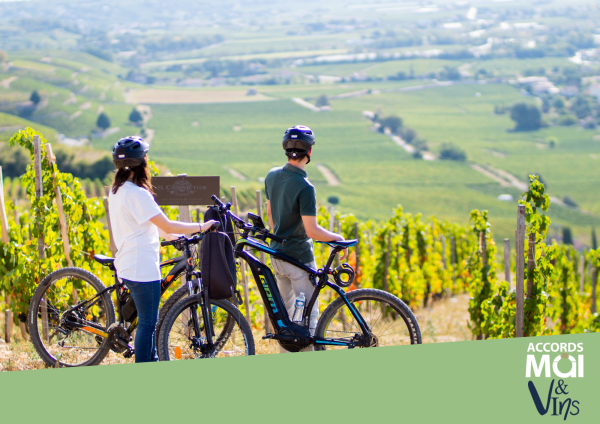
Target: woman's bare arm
(168, 236)
(175, 227)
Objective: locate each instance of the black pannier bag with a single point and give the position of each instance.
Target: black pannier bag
(226, 225)
(218, 266)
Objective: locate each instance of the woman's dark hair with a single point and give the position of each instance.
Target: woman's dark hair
(141, 176)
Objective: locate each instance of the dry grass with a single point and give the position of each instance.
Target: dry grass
(445, 321)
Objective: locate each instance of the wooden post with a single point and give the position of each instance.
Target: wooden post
(23, 330)
(483, 247)
(263, 257)
(507, 262)
(266, 216)
(39, 186)
(61, 212)
(520, 270)
(594, 289)
(581, 273)
(3, 217)
(530, 264)
(336, 261)
(8, 321)
(357, 252)
(112, 246)
(332, 226)
(39, 192)
(184, 216)
(387, 263)
(443, 239)
(234, 203)
(197, 214)
(331, 218)
(453, 259)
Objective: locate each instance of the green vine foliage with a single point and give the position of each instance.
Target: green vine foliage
(483, 282)
(536, 204)
(555, 305)
(20, 262)
(421, 266)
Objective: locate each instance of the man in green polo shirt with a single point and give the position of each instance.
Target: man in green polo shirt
(292, 212)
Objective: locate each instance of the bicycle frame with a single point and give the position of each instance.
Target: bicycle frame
(272, 299)
(180, 264)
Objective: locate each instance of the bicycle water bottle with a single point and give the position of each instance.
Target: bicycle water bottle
(299, 308)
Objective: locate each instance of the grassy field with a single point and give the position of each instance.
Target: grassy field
(9, 124)
(209, 137)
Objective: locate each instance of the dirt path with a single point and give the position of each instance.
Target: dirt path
(411, 149)
(5, 83)
(332, 180)
(236, 174)
(506, 179)
(145, 111)
(488, 174)
(149, 135)
(305, 104)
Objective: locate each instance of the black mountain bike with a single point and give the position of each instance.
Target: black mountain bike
(72, 318)
(360, 318)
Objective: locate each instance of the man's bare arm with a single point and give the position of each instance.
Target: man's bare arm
(270, 216)
(316, 232)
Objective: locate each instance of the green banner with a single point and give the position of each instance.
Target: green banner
(541, 379)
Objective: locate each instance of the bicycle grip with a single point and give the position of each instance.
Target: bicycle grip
(217, 200)
(277, 239)
(166, 243)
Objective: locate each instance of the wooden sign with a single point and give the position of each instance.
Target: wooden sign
(183, 190)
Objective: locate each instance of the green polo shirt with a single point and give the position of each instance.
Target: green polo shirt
(291, 196)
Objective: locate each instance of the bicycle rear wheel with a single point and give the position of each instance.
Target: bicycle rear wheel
(52, 336)
(390, 321)
(178, 340)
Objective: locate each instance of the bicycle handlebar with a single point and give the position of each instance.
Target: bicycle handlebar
(239, 223)
(195, 239)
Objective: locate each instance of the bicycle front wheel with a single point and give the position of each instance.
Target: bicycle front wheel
(70, 339)
(389, 320)
(178, 339)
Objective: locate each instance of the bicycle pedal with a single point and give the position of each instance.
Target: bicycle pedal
(268, 336)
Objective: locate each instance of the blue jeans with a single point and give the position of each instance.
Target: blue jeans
(146, 296)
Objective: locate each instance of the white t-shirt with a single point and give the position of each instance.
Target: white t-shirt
(136, 238)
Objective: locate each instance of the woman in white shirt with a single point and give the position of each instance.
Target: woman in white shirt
(137, 221)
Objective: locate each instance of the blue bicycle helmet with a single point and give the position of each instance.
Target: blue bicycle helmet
(130, 151)
(297, 141)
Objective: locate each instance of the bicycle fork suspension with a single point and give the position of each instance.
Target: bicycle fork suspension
(207, 319)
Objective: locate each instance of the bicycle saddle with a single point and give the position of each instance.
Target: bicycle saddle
(343, 244)
(104, 260)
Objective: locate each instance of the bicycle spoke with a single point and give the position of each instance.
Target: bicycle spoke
(183, 343)
(382, 319)
(59, 297)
